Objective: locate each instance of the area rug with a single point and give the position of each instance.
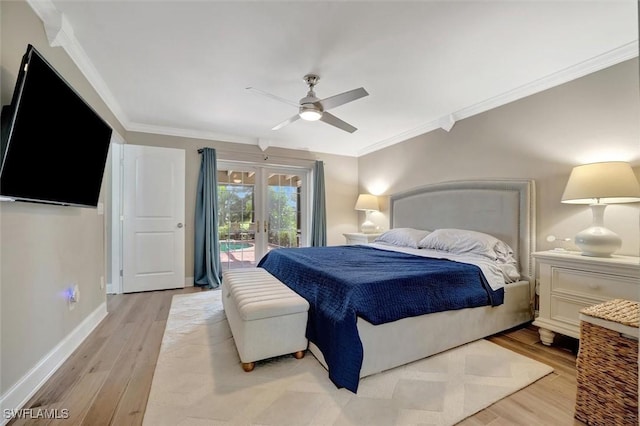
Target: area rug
(199, 381)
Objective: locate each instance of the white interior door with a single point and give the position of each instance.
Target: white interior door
(153, 218)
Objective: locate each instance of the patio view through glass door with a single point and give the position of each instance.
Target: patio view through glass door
(259, 209)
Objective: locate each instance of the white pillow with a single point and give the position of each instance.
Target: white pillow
(461, 241)
(402, 237)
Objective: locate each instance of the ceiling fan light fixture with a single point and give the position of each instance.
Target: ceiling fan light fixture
(310, 113)
(310, 108)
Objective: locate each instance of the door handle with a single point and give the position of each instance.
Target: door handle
(180, 225)
(258, 226)
(266, 226)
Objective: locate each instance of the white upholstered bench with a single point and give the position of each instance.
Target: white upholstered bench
(266, 317)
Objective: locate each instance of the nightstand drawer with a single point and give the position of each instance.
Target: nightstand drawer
(567, 309)
(592, 284)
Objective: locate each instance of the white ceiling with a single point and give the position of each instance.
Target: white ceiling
(181, 68)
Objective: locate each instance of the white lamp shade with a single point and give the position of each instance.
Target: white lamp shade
(606, 183)
(367, 202)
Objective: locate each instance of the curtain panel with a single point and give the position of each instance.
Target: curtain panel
(208, 270)
(319, 211)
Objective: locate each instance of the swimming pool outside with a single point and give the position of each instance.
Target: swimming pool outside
(234, 245)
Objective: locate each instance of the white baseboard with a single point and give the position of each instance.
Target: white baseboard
(188, 282)
(20, 393)
(110, 289)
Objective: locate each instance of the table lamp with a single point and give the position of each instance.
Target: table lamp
(368, 203)
(599, 184)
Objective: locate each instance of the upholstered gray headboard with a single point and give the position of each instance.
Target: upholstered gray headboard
(502, 208)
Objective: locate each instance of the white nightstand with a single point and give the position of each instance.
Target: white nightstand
(360, 238)
(569, 282)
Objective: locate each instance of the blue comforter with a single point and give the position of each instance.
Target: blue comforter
(344, 282)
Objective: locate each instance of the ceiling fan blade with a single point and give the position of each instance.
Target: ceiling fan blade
(272, 96)
(335, 121)
(343, 98)
(286, 122)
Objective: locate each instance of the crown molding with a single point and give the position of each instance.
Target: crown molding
(262, 143)
(117, 138)
(400, 137)
(190, 133)
(60, 34)
(600, 62)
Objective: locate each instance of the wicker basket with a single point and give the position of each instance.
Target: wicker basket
(607, 365)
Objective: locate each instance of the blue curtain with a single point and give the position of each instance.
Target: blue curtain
(208, 271)
(319, 211)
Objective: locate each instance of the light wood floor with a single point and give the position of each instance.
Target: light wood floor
(107, 379)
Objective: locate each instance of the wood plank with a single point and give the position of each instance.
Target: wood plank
(81, 398)
(136, 315)
(57, 388)
(110, 395)
(118, 307)
(482, 418)
(555, 358)
(134, 401)
(165, 307)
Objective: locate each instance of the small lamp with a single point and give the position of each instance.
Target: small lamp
(368, 203)
(599, 184)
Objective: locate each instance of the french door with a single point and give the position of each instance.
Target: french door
(259, 209)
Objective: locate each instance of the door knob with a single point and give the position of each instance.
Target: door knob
(180, 225)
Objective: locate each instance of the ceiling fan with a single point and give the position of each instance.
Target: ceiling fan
(310, 108)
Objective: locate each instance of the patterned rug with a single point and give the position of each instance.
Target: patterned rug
(199, 381)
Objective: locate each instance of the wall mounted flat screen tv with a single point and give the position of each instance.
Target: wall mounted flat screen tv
(54, 146)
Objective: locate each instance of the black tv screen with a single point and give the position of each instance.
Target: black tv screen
(54, 145)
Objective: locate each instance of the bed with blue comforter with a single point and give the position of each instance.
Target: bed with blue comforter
(343, 283)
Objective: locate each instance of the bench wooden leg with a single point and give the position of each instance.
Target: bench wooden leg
(248, 366)
(299, 354)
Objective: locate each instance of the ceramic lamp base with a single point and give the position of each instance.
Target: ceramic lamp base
(596, 240)
(368, 227)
